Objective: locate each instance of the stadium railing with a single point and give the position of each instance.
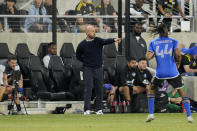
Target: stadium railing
(72, 19)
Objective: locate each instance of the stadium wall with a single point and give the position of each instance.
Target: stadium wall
(34, 39)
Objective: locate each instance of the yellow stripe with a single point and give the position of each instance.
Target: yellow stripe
(188, 57)
(79, 6)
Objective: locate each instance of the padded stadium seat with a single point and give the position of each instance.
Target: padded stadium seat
(23, 54)
(38, 84)
(67, 52)
(58, 73)
(42, 50)
(37, 81)
(109, 61)
(4, 51)
(76, 86)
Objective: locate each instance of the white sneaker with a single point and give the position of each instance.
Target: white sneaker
(190, 119)
(150, 118)
(86, 113)
(99, 112)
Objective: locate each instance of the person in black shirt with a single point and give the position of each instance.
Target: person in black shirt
(127, 79)
(89, 52)
(60, 21)
(143, 77)
(9, 9)
(137, 43)
(106, 8)
(9, 77)
(185, 68)
(85, 7)
(166, 8)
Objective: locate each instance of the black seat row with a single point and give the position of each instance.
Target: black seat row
(66, 77)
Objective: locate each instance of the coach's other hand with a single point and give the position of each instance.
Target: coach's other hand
(117, 40)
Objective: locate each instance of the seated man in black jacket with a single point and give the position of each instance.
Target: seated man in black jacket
(137, 79)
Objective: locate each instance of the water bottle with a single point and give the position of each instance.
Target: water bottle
(76, 31)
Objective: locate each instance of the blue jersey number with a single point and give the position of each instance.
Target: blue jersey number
(164, 52)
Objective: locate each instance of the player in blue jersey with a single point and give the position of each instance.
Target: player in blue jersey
(168, 57)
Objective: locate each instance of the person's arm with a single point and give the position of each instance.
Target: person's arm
(30, 20)
(20, 83)
(188, 69)
(5, 80)
(150, 52)
(79, 53)
(46, 20)
(181, 12)
(149, 55)
(177, 57)
(163, 12)
(110, 41)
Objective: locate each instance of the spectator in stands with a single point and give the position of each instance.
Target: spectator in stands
(37, 24)
(9, 75)
(166, 8)
(138, 46)
(84, 7)
(106, 8)
(60, 21)
(80, 25)
(137, 10)
(9, 9)
(184, 68)
(52, 49)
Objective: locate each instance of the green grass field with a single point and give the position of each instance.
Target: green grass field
(107, 122)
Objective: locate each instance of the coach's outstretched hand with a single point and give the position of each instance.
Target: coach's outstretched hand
(117, 40)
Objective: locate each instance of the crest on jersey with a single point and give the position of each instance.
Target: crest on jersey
(133, 74)
(145, 75)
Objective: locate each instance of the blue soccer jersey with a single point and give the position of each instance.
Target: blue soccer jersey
(163, 48)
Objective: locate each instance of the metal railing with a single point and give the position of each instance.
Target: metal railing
(86, 16)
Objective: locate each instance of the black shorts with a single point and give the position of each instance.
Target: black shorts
(176, 82)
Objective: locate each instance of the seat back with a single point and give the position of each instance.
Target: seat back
(4, 51)
(121, 63)
(23, 54)
(57, 72)
(109, 61)
(42, 50)
(37, 81)
(77, 85)
(67, 51)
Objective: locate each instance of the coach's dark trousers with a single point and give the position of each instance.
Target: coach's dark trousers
(93, 78)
